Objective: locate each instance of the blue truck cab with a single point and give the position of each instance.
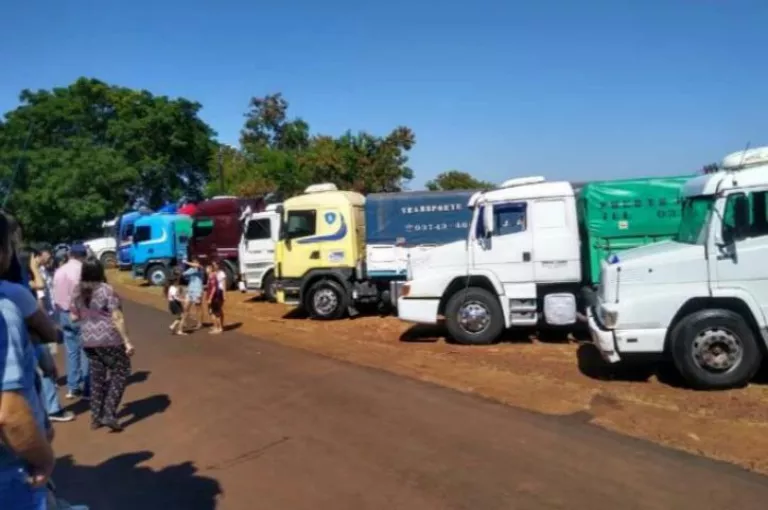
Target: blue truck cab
(159, 245)
(124, 233)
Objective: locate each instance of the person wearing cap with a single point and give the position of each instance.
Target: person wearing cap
(65, 280)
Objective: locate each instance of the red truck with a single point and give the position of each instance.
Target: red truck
(216, 231)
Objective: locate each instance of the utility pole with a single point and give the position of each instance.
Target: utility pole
(221, 169)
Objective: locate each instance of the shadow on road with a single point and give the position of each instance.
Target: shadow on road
(593, 366)
(296, 313)
(121, 484)
(233, 326)
(430, 333)
(144, 408)
(138, 377)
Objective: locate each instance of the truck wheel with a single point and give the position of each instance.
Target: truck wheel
(268, 287)
(715, 349)
(157, 275)
(326, 300)
(230, 274)
(474, 317)
(109, 260)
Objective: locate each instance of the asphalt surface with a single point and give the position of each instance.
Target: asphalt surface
(232, 422)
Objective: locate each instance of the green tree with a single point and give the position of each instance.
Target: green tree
(279, 154)
(94, 150)
(455, 179)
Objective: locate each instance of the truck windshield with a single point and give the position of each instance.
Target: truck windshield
(695, 216)
(257, 229)
(109, 232)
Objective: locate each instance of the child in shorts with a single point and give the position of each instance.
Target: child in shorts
(215, 297)
(175, 304)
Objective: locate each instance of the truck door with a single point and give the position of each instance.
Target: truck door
(258, 249)
(509, 251)
(740, 265)
(300, 252)
(555, 231)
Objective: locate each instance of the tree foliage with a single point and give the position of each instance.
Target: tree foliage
(95, 149)
(279, 154)
(455, 180)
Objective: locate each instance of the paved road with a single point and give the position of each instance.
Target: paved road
(231, 422)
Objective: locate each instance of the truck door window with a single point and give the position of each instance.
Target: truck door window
(300, 224)
(202, 227)
(746, 215)
(510, 218)
(127, 233)
(257, 229)
(142, 233)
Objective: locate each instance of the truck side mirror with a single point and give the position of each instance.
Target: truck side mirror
(488, 220)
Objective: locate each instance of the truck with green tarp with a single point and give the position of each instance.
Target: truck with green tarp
(533, 252)
(622, 214)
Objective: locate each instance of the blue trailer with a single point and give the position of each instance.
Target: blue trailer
(160, 244)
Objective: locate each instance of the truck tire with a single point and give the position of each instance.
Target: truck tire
(230, 273)
(326, 300)
(157, 275)
(715, 349)
(108, 259)
(268, 287)
(474, 317)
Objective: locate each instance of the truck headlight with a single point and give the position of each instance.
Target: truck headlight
(609, 318)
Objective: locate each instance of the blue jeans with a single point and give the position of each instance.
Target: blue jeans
(77, 363)
(17, 494)
(49, 395)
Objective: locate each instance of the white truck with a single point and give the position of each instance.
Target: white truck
(701, 299)
(256, 251)
(532, 251)
(105, 248)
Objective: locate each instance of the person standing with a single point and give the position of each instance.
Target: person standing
(194, 295)
(26, 456)
(65, 280)
(213, 297)
(42, 283)
(96, 308)
(221, 278)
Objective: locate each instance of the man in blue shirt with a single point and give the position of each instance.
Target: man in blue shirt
(26, 456)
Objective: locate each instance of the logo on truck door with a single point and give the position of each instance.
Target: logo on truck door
(330, 217)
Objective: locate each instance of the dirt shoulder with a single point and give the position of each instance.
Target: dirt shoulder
(551, 378)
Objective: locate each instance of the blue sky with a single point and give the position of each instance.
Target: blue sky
(591, 89)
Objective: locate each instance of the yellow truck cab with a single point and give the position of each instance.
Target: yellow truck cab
(321, 251)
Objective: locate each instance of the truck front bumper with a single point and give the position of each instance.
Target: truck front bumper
(602, 338)
(422, 311)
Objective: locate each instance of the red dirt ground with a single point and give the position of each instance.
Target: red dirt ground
(551, 378)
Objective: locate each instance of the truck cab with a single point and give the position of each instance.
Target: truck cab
(159, 245)
(124, 237)
(701, 299)
(521, 257)
(256, 252)
(321, 249)
(217, 229)
(104, 248)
